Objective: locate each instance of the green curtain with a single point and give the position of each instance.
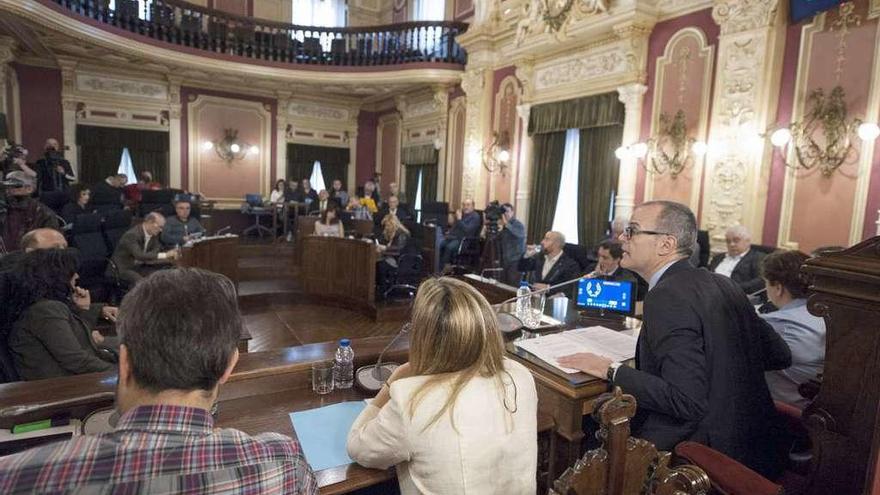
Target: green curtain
(580, 113)
(100, 149)
(301, 159)
(412, 184)
(429, 182)
(548, 150)
(597, 180)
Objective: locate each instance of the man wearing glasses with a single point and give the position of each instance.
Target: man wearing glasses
(702, 350)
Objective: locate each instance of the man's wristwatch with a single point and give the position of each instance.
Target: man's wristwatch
(612, 370)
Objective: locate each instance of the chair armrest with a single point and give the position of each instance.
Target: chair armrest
(792, 415)
(728, 476)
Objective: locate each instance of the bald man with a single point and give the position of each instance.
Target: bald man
(740, 263)
(139, 252)
(552, 266)
(467, 224)
(54, 173)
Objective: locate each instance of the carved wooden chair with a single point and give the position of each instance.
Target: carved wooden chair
(624, 465)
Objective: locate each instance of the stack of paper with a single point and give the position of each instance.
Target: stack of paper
(597, 340)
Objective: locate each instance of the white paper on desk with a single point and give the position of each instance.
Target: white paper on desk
(597, 340)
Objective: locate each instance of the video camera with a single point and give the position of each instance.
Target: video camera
(493, 213)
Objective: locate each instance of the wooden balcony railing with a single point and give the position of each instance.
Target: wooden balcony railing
(180, 23)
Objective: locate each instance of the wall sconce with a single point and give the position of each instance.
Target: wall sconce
(230, 147)
(671, 150)
(824, 139)
(496, 157)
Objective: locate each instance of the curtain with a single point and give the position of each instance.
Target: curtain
(581, 113)
(567, 199)
(597, 181)
(548, 151)
(101, 147)
(301, 160)
(429, 182)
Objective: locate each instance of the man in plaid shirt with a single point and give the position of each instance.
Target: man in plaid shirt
(179, 331)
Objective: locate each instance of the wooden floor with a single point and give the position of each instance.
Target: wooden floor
(270, 302)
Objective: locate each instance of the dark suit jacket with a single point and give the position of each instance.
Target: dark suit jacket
(105, 194)
(700, 363)
(468, 226)
(747, 273)
(403, 214)
(565, 269)
(130, 250)
(513, 242)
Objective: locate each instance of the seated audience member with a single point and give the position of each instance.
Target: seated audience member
(467, 224)
(370, 204)
(740, 263)
(371, 193)
(329, 225)
(392, 242)
(279, 194)
(54, 173)
(309, 195)
(139, 253)
(293, 192)
(52, 334)
(357, 209)
(109, 191)
(31, 241)
(339, 194)
(458, 402)
(171, 365)
(322, 203)
(702, 351)
(79, 203)
(393, 207)
(23, 213)
(146, 182)
(182, 227)
(608, 267)
(394, 190)
(803, 332)
(552, 266)
(513, 244)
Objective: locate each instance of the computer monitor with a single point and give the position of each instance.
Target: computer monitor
(606, 296)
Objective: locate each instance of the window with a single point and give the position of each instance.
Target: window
(127, 167)
(317, 178)
(417, 202)
(429, 10)
(565, 220)
(324, 13)
(127, 6)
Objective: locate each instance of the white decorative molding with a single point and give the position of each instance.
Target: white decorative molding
(580, 69)
(525, 74)
(473, 83)
(668, 9)
(125, 87)
(736, 16)
(119, 116)
(554, 16)
(632, 96)
(317, 111)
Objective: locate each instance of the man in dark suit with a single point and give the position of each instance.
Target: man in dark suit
(309, 195)
(392, 206)
(609, 254)
(467, 224)
(109, 191)
(513, 244)
(741, 263)
(552, 266)
(702, 351)
(138, 252)
(54, 173)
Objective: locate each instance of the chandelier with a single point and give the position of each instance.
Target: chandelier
(824, 139)
(230, 147)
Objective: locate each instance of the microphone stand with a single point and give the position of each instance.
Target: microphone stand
(371, 377)
(546, 289)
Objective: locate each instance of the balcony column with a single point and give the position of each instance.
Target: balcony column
(70, 107)
(175, 135)
(523, 185)
(632, 96)
(351, 176)
(281, 135)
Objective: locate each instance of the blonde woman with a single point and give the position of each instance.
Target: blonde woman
(459, 418)
(394, 236)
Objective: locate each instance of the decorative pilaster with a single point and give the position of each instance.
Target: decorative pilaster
(7, 55)
(175, 134)
(281, 135)
(473, 83)
(523, 185)
(747, 78)
(441, 100)
(350, 179)
(69, 109)
(632, 97)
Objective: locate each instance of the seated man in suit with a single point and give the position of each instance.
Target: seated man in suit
(309, 195)
(392, 206)
(740, 263)
(702, 350)
(171, 366)
(322, 203)
(552, 266)
(608, 267)
(467, 224)
(139, 252)
(182, 227)
(109, 191)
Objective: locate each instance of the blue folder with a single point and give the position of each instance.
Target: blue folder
(322, 432)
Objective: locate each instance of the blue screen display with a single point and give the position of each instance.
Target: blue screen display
(605, 294)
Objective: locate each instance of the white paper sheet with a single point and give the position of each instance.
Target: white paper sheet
(597, 340)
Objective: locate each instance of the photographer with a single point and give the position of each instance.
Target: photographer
(513, 244)
(54, 173)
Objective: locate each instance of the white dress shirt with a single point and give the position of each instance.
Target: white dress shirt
(549, 263)
(728, 264)
(489, 450)
(147, 238)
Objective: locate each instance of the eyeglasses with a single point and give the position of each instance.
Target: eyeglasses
(630, 232)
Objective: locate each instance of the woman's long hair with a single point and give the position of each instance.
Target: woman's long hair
(455, 338)
(327, 210)
(391, 226)
(44, 274)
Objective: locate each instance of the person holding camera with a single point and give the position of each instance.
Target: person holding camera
(54, 173)
(513, 244)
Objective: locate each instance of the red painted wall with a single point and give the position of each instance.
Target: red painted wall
(366, 147)
(41, 112)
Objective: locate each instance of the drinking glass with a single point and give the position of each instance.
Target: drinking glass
(322, 377)
(533, 319)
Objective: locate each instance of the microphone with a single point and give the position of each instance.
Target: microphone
(370, 378)
(752, 294)
(224, 229)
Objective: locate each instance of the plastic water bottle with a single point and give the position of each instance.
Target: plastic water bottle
(343, 367)
(523, 301)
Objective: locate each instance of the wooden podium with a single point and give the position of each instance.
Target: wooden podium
(340, 272)
(217, 254)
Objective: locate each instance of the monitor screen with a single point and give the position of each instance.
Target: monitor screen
(616, 296)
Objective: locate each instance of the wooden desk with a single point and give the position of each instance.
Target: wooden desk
(431, 238)
(217, 254)
(340, 272)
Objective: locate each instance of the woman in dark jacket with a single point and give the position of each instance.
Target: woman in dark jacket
(51, 337)
(392, 242)
(78, 205)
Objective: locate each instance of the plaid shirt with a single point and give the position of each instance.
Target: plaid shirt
(162, 449)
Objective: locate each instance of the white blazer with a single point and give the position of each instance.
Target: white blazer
(493, 451)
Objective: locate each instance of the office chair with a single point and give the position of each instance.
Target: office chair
(253, 205)
(407, 276)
